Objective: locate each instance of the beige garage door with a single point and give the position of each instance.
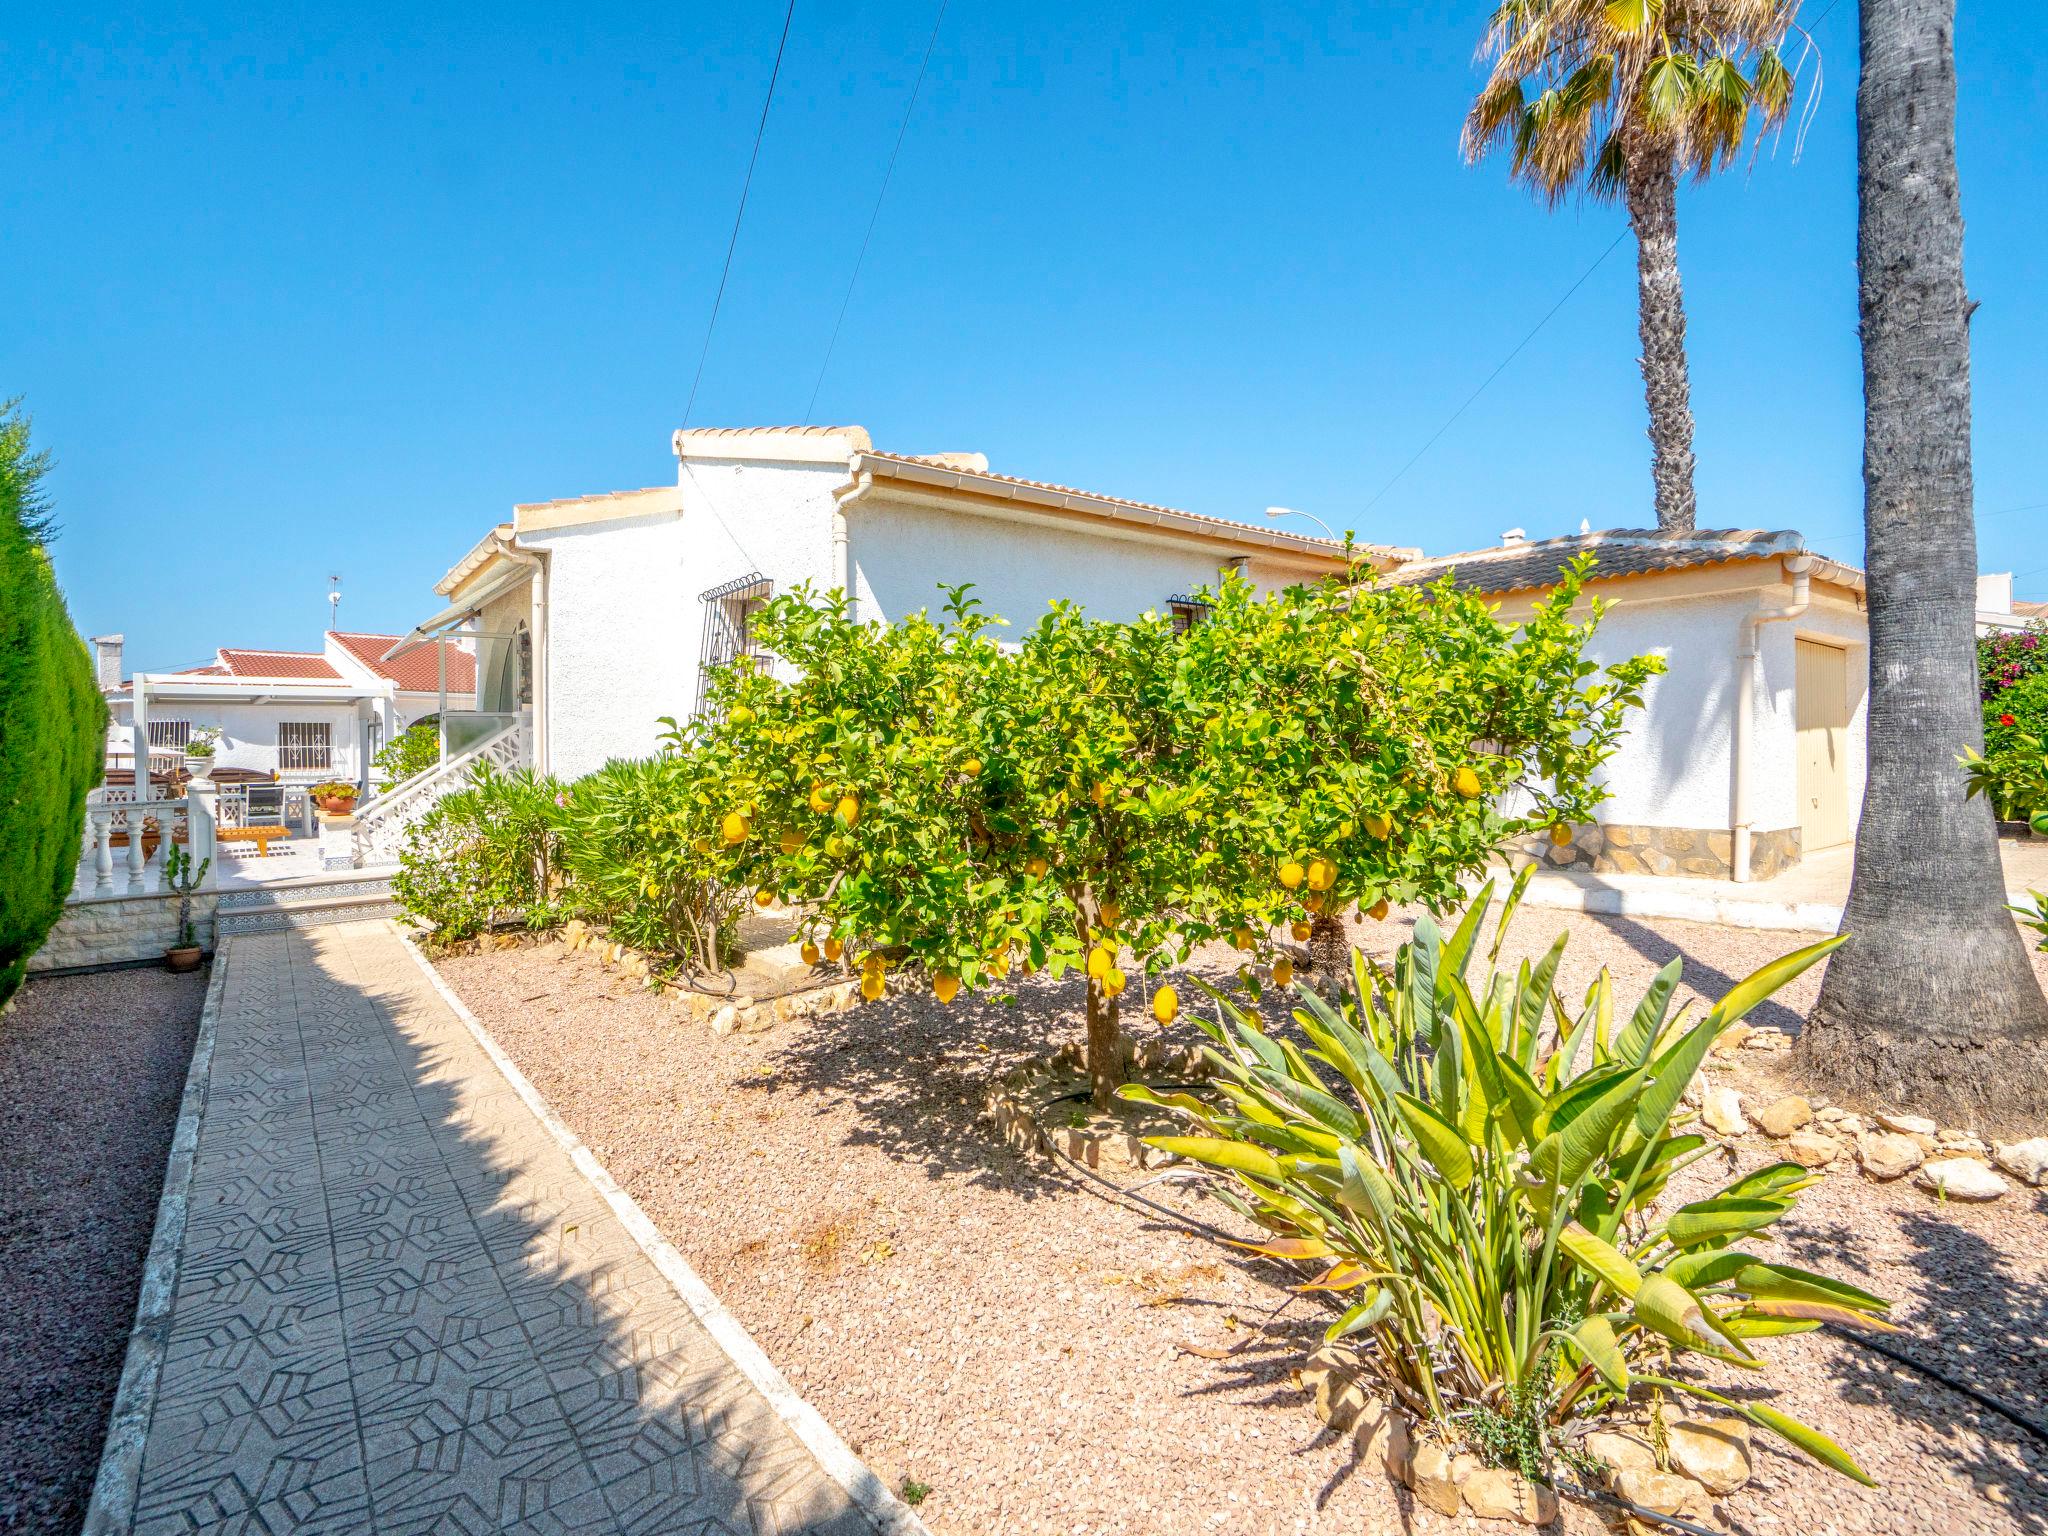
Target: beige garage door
(1822, 714)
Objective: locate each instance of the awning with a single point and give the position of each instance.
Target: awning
(457, 614)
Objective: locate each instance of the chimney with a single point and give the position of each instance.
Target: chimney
(1514, 536)
(106, 660)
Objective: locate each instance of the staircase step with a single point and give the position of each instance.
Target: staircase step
(305, 904)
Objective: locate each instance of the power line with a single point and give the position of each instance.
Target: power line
(873, 218)
(760, 131)
(1498, 370)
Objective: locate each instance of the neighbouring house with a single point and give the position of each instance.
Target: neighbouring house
(1998, 609)
(299, 716)
(594, 616)
(1749, 751)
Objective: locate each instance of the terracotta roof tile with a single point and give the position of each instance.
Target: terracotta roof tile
(416, 671)
(571, 501)
(310, 665)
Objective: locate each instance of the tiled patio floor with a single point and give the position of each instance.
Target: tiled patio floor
(401, 1308)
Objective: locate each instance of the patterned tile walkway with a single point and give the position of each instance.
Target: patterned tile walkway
(402, 1309)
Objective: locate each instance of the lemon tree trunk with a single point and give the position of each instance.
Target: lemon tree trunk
(1932, 1006)
(1105, 1047)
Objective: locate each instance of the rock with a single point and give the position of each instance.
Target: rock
(1961, 1178)
(1663, 1493)
(1329, 1360)
(1921, 1140)
(1784, 1116)
(1850, 1125)
(1887, 1155)
(1960, 1144)
(1722, 1112)
(1712, 1452)
(1732, 1038)
(1340, 1397)
(1810, 1149)
(1620, 1450)
(726, 1020)
(2024, 1160)
(1907, 1125)
(1374, 1430)
(1432, 1481)
(1766, 1040)
(1397, 1452)
(1494, 1493)
(1463, 1465)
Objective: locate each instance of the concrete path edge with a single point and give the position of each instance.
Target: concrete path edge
(889, 1513)
(111, 1510)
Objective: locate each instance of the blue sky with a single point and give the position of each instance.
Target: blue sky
(330, 292)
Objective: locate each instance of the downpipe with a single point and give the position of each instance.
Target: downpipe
(1740, 815)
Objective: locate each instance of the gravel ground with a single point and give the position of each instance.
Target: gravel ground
(91, 1070)
(971, 1320)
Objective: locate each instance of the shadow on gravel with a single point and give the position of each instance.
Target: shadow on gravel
(1708, 981)
(1978, 1323)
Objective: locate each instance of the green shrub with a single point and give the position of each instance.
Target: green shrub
(483, 856)
(53, 720)
(1486, 1204)
(413, 750)
(632, 863)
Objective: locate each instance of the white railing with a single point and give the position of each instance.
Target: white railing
(144, 829)
(382, 822)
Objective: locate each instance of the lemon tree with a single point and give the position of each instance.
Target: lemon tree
(1102, 797)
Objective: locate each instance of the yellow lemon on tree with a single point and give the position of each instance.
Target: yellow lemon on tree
(1301, 932)
(1036, 867)
(821, 799)
(834, 949)
(1101, 959)
(741, 715)
(733, 827)
(871, 986)
(764, 897)
(837, 847)
(1241, 937)
(1112, 982)
(972, 767)
(1292, 874)
(1465, 781)
(1099, 793)
(653, 889)
(1111, 914)
(1166, 1004)
(1283, 971)
(1381, 827)
(1322, 874)
(702, 845)
(848, 809)
(945, 986)
(791, 840)
(1378, 912)
(809, 952)
(1560, 834)
(1313, 902)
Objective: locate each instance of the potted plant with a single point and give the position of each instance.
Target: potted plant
(182, 876)
(334, 797)
(199, 751)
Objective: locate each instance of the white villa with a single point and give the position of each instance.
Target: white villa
(1748, 753)
(600, 614)
(297, 716)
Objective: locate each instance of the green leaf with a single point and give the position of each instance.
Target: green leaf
(1809, 1440)
(1361, 1315)
(1633, 1045)
(1595, 1339)
(1566, 1154)
(1774, 1179)
(1766, 979)
(1238, 1156)
(1602, 1258)
(1665, 1307)
(1441, 1142)
(1717, 1220)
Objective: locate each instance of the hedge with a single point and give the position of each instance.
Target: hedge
(53, 720)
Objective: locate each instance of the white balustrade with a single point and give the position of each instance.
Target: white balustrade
(116, 812)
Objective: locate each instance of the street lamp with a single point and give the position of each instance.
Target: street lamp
(1273, 512)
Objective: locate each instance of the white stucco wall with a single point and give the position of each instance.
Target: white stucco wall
(625, 609)
(249, 730)
(1674, 767)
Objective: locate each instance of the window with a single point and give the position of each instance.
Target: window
(304, 744)
(1187, 612)
(170, 733)
(729, 628)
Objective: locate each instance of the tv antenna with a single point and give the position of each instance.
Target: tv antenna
(333, 601)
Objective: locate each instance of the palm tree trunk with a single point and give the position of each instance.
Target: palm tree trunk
(1660, 314)
(1933, 1005)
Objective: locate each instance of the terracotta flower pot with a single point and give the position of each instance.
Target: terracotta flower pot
(183, 957)
(336, 805)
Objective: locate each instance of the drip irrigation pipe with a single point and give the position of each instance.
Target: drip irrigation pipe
(1096, 1184)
